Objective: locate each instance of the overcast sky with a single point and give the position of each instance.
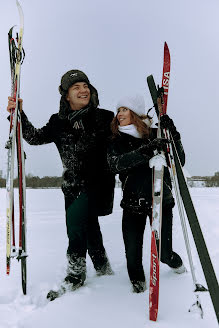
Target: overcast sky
(117, 43)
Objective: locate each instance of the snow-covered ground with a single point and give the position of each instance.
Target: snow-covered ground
(104, 301)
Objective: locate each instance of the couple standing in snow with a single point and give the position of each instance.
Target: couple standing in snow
(94, 146)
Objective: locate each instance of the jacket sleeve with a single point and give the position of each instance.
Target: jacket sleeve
(103, 129)
(35, 136)
(119, 162)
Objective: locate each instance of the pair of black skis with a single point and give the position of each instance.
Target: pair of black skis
(202, 250)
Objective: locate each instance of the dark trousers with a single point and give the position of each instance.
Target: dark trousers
(83, 231)
(133, 226)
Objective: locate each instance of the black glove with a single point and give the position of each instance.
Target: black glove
(167, 123)
(159, 144)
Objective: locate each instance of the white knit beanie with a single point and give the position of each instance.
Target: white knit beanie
(135, 103)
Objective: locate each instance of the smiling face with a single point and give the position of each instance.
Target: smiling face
(78, 95)
(124, 116)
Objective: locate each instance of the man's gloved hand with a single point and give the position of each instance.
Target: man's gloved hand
(167, 123)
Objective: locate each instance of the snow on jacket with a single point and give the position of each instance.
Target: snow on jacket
(83, 151)
(126, 159)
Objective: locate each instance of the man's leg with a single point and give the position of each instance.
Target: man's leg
(96, 249)
(95, 246)
(76, 222)
(133, 226)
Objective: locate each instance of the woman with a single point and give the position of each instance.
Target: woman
(129, 152)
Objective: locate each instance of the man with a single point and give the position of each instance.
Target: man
(80, 131)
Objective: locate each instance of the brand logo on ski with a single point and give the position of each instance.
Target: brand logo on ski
(165, 82)
(154, 276)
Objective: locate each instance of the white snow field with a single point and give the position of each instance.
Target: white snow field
(108, 301)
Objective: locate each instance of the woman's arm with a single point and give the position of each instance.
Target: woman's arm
(119, 160)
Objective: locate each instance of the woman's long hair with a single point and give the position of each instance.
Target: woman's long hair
(138, 121)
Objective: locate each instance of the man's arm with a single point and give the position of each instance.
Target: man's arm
(32, 135)
(35, 136)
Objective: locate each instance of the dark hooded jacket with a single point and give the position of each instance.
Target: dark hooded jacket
(126, 159)
(80, 137)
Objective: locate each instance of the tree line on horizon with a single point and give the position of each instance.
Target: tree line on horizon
(36, 182)
(55, 182)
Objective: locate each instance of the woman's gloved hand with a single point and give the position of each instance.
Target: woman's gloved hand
(159, 144)
(167, 123)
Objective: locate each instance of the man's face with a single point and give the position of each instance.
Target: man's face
(78, 95)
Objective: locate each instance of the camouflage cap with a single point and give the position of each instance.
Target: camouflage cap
(71, 77)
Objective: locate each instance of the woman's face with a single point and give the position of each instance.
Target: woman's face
(124, 116)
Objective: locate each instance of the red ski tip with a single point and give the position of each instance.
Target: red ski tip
(166, 45)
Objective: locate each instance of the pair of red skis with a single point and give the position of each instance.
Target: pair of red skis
(157, 163)
(185, 205)
(15, 142)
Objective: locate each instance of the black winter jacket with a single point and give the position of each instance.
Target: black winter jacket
(126, 159)
(83, 152)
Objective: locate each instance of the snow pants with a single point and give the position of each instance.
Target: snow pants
(84, 234)
(133, 226)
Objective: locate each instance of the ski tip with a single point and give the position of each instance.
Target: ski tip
(150, 77)
(166, 46)
(11, 30)
(19, 6)
(20, 13)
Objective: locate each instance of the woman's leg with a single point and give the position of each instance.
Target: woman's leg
(167, 255)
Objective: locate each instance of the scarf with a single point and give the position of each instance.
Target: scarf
(131, 130)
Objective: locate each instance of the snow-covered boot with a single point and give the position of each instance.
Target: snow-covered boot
(138, 286)
(53, 294)
(105, 270)
(175, 262)
(76, 275)
(76, 271)
(180, 269)
(69, 284)
(101, 262)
